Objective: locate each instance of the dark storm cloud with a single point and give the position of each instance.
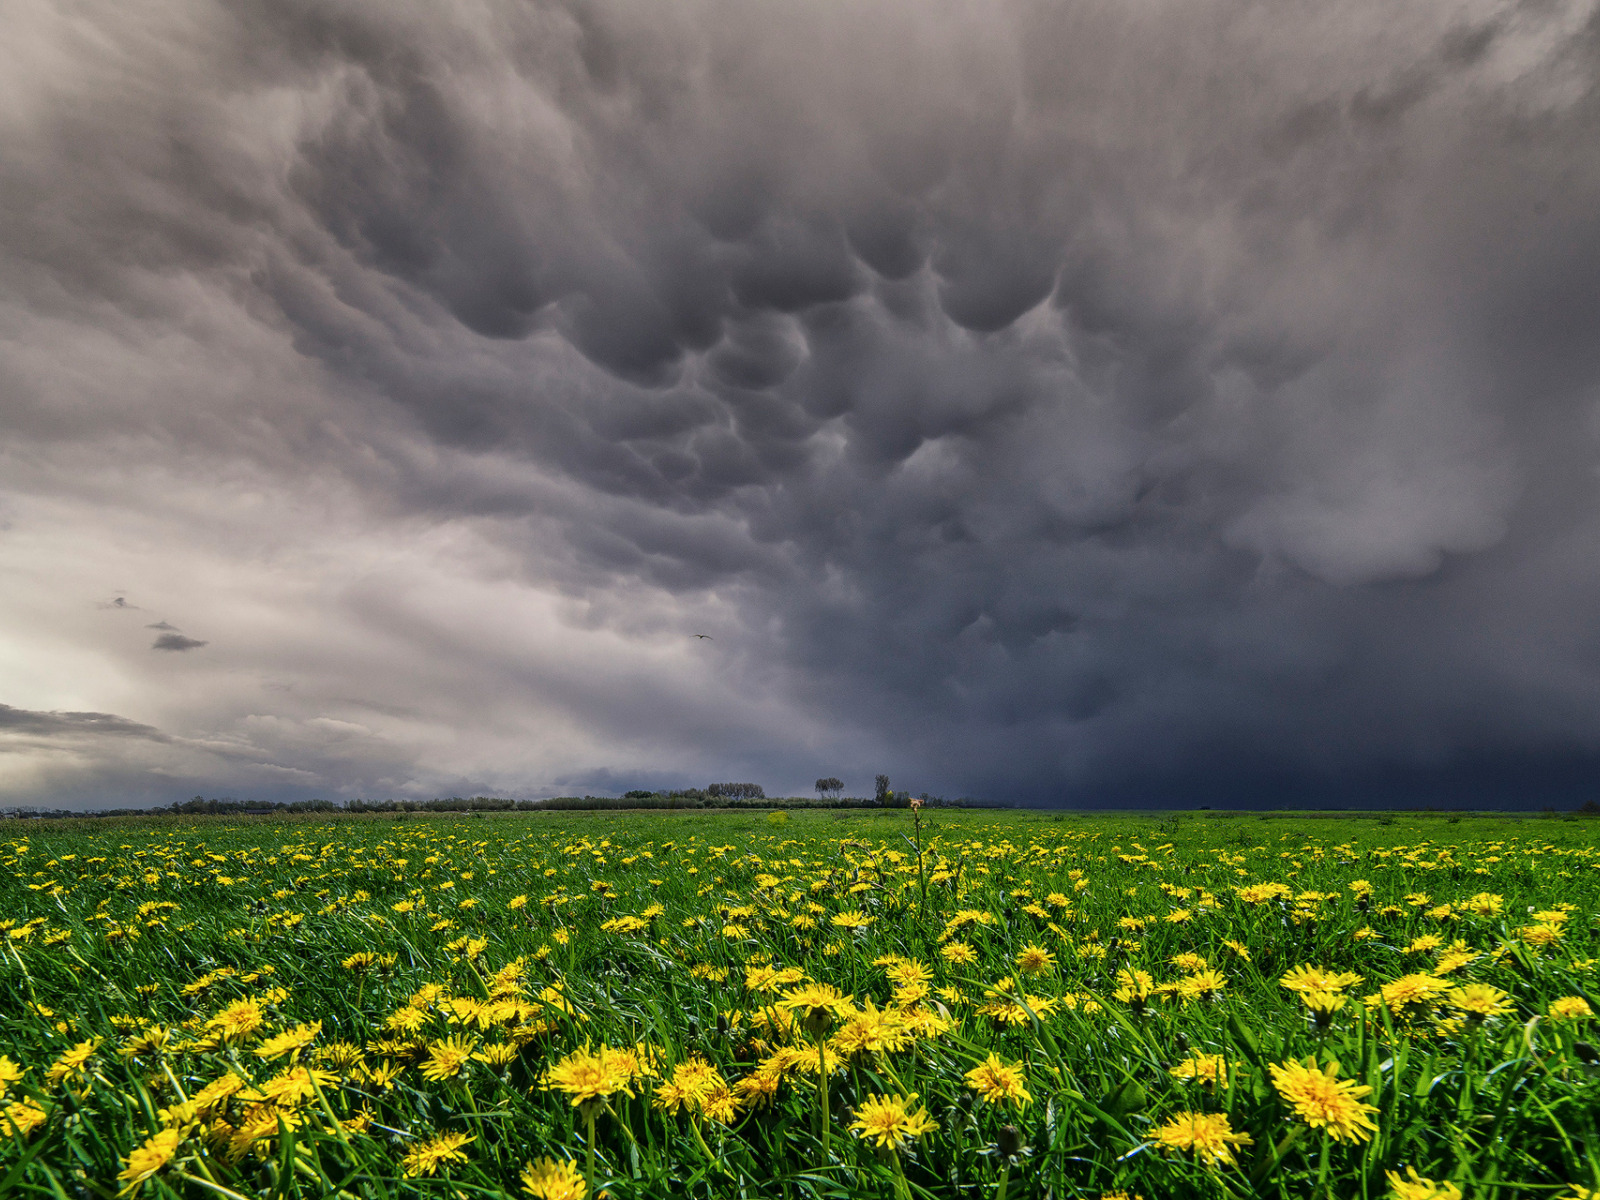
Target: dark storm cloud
(22, 722)
(176, 642)
(1083, 401)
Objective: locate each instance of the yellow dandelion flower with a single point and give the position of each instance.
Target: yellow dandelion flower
(1035, 960)
(554, 1179)
(237, 1021)
(1318, 979)
(1570, 1008)
(587, 1075)
(1411, 993)
(1203, 1068)
(448, 1057)
(72, 1062)
(890, 1121)
(22, 1118)
(958, 954)
(1207, 1136)
(290, 1042)
(1479, 1001)
(148, 1159)
(1322, 1100)
(290, 1088)
(1412, 1186)
(816, 995)
(998, 1083)
(431, 1155)
(1202, 985)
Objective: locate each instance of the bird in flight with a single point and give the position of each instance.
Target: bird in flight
(707, 637)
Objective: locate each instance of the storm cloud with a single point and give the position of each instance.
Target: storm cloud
(1085, 404)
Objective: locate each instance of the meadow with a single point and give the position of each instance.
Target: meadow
(892, 1003)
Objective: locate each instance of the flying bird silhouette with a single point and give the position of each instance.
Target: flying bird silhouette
(707, 636)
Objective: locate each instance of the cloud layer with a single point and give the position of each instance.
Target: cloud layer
(1098, 403)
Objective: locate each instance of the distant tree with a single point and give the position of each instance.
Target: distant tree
(830, 786)
(881, 790)
(637, 794)
(736, 791)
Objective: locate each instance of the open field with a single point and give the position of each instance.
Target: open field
(1001, 1004)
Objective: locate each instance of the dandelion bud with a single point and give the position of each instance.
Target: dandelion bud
(817, 1021)
(1009, 1141)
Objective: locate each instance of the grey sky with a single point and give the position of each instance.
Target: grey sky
(1087, 403)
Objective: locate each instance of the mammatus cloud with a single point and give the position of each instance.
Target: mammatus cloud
(1083, 403)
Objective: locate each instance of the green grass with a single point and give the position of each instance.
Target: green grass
(1501, 1108)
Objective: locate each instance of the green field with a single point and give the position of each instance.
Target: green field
(998, 1004)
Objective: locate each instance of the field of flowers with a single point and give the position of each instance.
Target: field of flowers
(895, 1004)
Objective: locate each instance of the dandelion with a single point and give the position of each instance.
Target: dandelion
(148, 1159)
(1479, 1001)
(891, 1121)
(958, 954)
(72, 1063)
(590, 1077)
(1317, 979)
(1486, 904)
(238, 1021)
(850, 920)
(215, 1094)
(448, 1057)
(554, 1179)
(10, 1072)
(1035, 960)
(22, 1118)
(874, 1030)
(1410, 993)
(382, 1077)
(814, 997)
(290, 1042)
(1203, 985)
(692, 1081)
(431, 1155)
(998, 1083)
(1203, 1068)
(498, 1054)
(1207, 1136)
(291, 1088)
(1412, 1186)
(1322, 1100)
(1570, 1008)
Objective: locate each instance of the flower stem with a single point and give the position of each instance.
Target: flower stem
(589, 1171)
(1005, 1178)
(902, 1187)
(822, 1083)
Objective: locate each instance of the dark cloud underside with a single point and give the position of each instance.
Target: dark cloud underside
(1086, 402)
(71, 724)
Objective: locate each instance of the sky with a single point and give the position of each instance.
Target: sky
(1091, 404)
